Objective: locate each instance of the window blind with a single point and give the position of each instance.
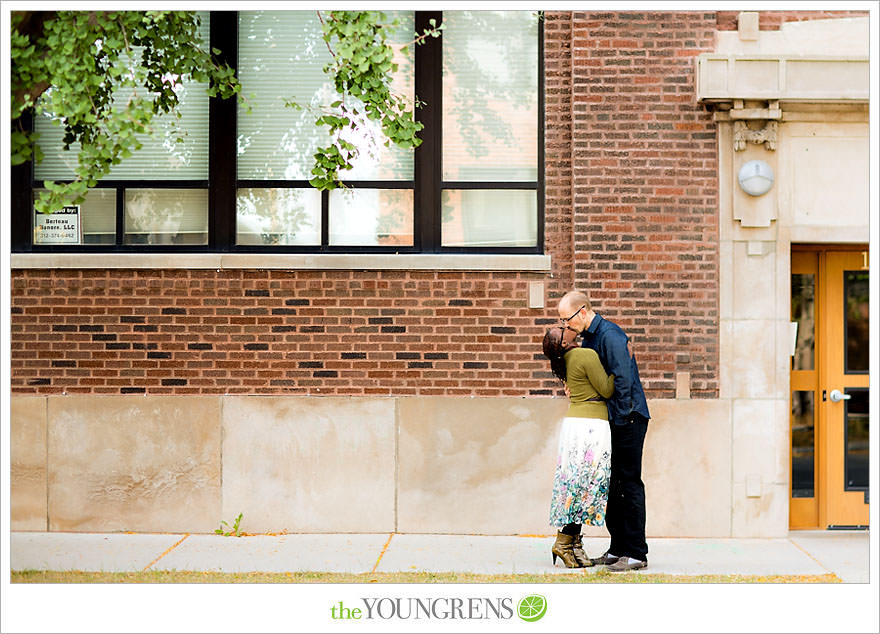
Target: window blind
(490, 96)
(281, 56)
(160, 158)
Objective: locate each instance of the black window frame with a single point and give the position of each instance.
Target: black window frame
(222, 183)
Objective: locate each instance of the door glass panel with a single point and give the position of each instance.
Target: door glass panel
(857, 439)
(856, 332)
(802, 445)
(803, 312)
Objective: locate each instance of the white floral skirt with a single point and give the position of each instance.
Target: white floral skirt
(583, 471)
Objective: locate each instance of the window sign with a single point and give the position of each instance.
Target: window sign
(60, 227)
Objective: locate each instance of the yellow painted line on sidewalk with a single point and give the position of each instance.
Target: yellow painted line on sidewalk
(168, 550)
(382, 554)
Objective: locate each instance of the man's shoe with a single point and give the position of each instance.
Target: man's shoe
(605, 559)
(623, 564)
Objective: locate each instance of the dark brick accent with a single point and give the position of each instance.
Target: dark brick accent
(503, 330)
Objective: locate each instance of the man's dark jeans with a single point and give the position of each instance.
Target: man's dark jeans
(625, 514)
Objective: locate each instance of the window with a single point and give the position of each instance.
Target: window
(276, 144)
(159, 195)
(490, 129)
(240, 183)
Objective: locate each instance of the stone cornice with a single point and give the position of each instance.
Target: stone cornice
(819, 79)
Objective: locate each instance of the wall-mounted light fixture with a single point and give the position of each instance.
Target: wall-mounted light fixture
(755, 178)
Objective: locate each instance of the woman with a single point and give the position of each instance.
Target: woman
(583, 463)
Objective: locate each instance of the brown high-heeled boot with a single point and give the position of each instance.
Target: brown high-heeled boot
(563, 548)
(577, 548)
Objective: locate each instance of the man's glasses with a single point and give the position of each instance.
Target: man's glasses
(568, 319)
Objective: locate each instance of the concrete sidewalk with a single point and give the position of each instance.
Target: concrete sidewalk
(843, 553)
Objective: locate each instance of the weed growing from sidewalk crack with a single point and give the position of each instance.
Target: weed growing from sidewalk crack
(233, 530)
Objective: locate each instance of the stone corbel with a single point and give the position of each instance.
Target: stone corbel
(743, 134)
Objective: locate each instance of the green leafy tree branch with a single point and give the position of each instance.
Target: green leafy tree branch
(362, 71)
(70, 65)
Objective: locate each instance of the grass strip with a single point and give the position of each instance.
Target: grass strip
(601, 576)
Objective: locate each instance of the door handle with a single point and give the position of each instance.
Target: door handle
(837, 396)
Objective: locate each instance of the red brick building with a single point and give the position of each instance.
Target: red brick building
(175, 387)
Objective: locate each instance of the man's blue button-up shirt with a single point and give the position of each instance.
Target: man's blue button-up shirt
(610, 343)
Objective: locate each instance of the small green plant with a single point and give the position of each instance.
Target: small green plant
(233, 530)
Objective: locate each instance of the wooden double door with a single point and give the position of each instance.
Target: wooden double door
(829, 387)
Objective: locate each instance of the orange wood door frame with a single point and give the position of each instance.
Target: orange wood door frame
(838, 506)
(832, 504)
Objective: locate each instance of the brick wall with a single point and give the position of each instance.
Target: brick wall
(557, 149)
(275, 332)
(645, 189)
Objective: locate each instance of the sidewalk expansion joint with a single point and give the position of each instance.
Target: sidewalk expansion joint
(803, 550)
(382, 554)
(167, 550)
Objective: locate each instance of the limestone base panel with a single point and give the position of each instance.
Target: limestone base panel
(146, 464)
(348, 464)
(27, 436)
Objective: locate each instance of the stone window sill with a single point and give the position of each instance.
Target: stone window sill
(321, 261)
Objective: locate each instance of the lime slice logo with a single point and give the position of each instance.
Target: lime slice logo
(532, 608)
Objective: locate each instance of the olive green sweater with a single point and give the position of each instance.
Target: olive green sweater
(588, 383)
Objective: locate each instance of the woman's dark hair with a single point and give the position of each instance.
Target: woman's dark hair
(555, 348)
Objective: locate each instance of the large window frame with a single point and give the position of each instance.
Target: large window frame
(222, 183)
